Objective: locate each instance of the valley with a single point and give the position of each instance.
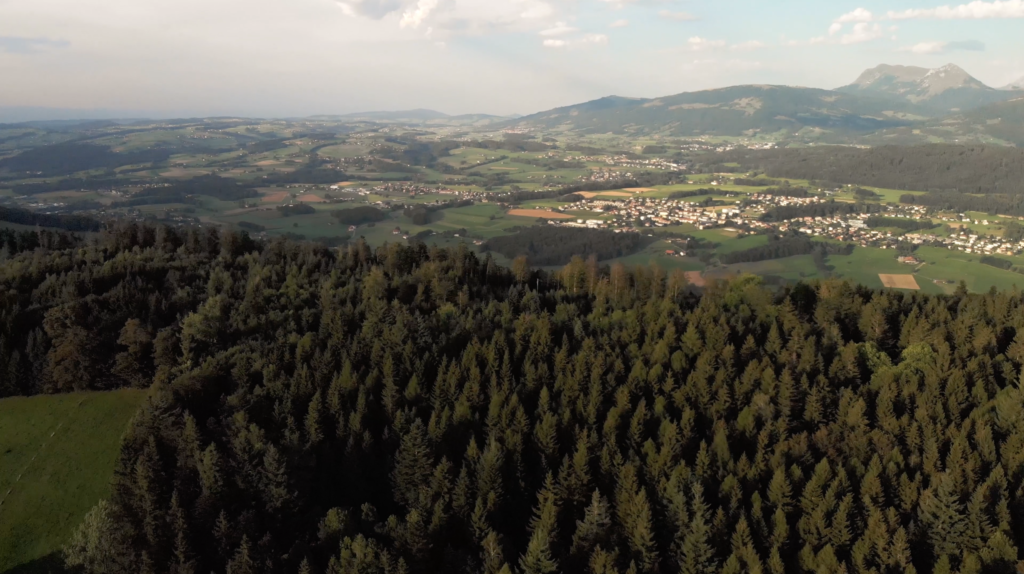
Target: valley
(698, 177)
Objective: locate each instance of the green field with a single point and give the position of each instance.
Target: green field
(57, 453)
(940, 266)
(797, 268)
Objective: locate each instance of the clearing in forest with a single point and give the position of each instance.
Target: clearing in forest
(899, 281)
(695, 278)
(539, 213)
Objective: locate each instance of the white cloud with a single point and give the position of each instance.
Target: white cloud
(925, 48)
(862, 32)
(587, 40)
(413, 18)
(977, 10)
(928, 48)
(457, 16)
(834, 29)
(620, 4)
(858, 15)
(619, 24)
(375, 9)
(559, 29)
(698, 44)
(678, 16)
(749, 45)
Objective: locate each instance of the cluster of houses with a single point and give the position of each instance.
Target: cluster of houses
(639, 212)
(648, 212)
(970, 242)
(652, 163)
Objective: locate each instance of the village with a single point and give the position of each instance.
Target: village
(639, 213)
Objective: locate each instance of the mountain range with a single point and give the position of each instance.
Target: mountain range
(937, 91)
(901, 103)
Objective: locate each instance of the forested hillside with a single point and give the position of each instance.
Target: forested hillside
(938, 168)
(419, 410)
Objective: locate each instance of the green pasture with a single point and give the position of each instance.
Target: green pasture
(797, 268)
(941, 265)
(734, 244)
(654, 254)
(57, 454)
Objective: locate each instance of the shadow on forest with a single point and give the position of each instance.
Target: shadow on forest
(52, 563)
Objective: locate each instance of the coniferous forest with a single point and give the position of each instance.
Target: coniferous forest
(420, 410)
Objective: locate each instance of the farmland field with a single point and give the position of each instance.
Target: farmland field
(57, 454)
(535, 213)
(899, 282)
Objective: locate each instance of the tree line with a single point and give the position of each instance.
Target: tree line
(978, 169)
(13, 242)
(778, 248)
(905, 224)
(359, 215)
(550, 245)
(71, 157)
(993, 204)
(420, 213)
(67, 222)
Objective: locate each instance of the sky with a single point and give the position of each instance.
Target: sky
(292, 58)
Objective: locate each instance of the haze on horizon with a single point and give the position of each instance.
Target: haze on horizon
(305, 57)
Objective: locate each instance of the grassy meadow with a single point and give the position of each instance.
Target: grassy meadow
(57, 454)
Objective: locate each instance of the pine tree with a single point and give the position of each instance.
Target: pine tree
(242, 562)
(697, 553)
(491, 554)
(413, 464)
(275, 482)
(594, 528)
(314, 422)
(942, 514)
(539, 558)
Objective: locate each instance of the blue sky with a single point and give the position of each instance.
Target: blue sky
(300, 57)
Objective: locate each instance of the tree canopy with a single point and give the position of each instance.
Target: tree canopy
(421, 410)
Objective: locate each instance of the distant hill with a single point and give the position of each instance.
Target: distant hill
(1003, 121)
(934, 91)
(735, 111)
(419, 114)
(1018, 85)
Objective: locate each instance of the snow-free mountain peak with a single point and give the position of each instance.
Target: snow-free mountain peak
(949, 88)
